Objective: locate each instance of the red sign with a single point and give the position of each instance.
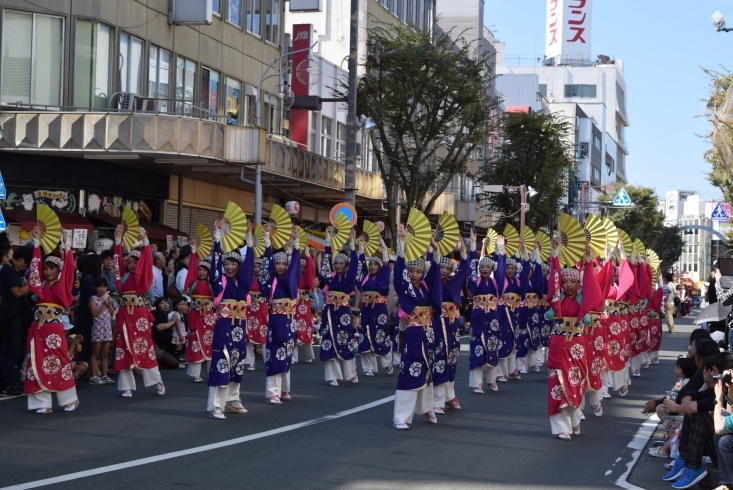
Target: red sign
(302, 39)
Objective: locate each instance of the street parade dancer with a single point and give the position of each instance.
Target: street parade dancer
(593, 302)
(545, 324)
(49, 369)
(230, 278)
(304, 310)
(636, 311)
(567, 380)
(374, 340)
(509, 304)
(134, 341)
(653, 308)
(339, 283)
(528, 339)
(257, 307)
(418, 297)
(645, 286)
(484, 341)
(281, 331)
(201, 317)
(445, 326)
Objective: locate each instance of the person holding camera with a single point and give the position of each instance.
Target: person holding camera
(723, 421)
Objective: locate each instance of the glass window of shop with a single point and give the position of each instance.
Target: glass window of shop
(234, 101)
(185, 78)
(209, 92)
(234, 12)
(131, 64)
(272, 21)
(254, 17)
(159, 76)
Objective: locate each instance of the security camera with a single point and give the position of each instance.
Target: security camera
(718, 20)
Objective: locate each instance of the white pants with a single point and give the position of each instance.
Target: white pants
(126, 380)
(194, 368)
(409, 402)
(619, 379)
(369, 361)
(220, 395)
(308, 348)
(250, 357)
(277, 385)
(476, 376)
(396, 358)
(635, 363)
(43, 399)
(525, 363)
(646, 356)
(654, 355)
(594, 397)
(507, 365)
(334, 369)
(443, 393)
(564, 421)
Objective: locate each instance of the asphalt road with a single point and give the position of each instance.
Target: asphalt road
(325, 438)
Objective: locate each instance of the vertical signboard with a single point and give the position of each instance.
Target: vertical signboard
(302, 36)
(568, 29)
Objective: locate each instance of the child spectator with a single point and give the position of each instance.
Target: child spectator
(103, 309)
(180, 310)
(78, 367)
(163, 335)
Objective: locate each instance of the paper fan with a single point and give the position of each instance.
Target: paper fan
(50, 227)
(545, 247)
(341, 232)
(529, 238)
(491, 234)
(203, 249)
(302, 240)
(237, 227)
(653, 259)
(611, 232)
(572, 239)
(371, 238)
(130, 226)
(626, 240)
(448, 233)
(511, 240)
(595, 235)
(638, 247)
(283, 225)
(259, 240)
(418, 235)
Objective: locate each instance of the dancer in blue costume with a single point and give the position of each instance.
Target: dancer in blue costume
(529, 315)
(509, 305)
(418, 297)
(445, 324)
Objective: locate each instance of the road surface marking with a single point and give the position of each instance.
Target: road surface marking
(638, 443)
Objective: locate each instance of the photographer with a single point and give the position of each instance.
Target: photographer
(724, 296)
(724, 428)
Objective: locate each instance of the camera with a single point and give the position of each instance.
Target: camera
(725, 376)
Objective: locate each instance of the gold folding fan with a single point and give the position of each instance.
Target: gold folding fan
(511, 240)
(626, 241)
(638, 247)
(491, 234)
(418, 235)
(203, 248)
(595, 235)
(371, 238)
(611, 232)
(302, 240)
(282, 224)
(545, 247)
(653, 259)
(529, 238)
(448, 233)
(259, 240)
(572, 240)
(341, 232)
(236, 228)
(130, 226)
(50, 227)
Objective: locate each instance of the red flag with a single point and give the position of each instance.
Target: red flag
(593, 298)
(625, 279)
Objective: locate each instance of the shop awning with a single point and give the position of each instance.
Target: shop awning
(27, 220)
(155, 231)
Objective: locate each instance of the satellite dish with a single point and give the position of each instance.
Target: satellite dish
(308, 72)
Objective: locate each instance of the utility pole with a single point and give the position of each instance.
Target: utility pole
(350, 157)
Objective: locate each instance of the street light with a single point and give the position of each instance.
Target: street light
(719, 22)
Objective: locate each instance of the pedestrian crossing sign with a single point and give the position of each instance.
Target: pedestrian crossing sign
(622, 199)
(3, 227)
(720, 213)
(3, 195)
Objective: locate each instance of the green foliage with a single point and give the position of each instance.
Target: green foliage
(645, 222)
(536, 151)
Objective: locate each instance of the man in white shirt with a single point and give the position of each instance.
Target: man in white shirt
(158, 263)
(670, 292)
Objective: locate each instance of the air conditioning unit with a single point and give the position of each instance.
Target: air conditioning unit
(129, 101)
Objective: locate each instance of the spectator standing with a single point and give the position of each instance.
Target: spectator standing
(670, 293)
(163, 327)
(91, 270)
(102, 309)
(14, 307)
(157, 290)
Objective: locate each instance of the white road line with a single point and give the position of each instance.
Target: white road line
(195, 450)
(638, 443)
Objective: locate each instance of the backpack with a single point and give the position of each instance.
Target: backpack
(172, 291)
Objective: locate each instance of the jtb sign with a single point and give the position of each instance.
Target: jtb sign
(568, 29)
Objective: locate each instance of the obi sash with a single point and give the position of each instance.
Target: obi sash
(486, 302)
(234, 310)
(450, 311)
(47, 312)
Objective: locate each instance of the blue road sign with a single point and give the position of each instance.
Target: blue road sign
(622, 199)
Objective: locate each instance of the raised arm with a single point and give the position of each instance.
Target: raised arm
(193, 268)
(119, 259)
(144, 269)
(216, 273)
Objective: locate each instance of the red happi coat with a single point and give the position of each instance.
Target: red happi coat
(200, 320)
(303, 311)
(592, 303)
(134, 341)
(49, 368)
(257, 315)
(653, 307)
(614, 323)
(636, 311)
(567, 368)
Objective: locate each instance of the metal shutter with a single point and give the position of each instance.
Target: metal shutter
(171, 217)
(206, 217)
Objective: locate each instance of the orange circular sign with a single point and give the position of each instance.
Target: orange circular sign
(347, 210)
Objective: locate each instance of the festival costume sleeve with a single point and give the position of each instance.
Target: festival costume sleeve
(292, 273)
(382, 278)
(216, 272)
(309, 273)
(119, 262)
(144, 271)
(326, 267)
(500, 273)
(592, 298)
(65, 284)
(193, 271)
(474, 276)
(456, 281)
(351, 271)
(399, 272)
(435, 285)
(555, 284)
(247, 272)
(524, 277)
(625, 279)
(538, 280)
(363, 266)
(35, 273)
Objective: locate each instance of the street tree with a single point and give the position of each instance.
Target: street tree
(645, 222)
(430, 98)
(536, 150)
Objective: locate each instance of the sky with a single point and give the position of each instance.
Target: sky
(663, 44)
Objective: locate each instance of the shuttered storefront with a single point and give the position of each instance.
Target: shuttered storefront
(191, 217)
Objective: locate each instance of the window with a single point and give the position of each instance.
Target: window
(234, 100)
(210, 91)
(596, 174)
(254, 17)
(131, 64)
(33, 47)
(588, 91)
(385, 4)
(404, 4)
(543, 90)
(216, 7)
(597, 141)
(250, 109)
(340, 142)
(272, 27)
(234, 12)
(313, 134)
(395, 7)
(185, 76)
(92, 64)
(326, 133)
(413, 13)
(272, 114)
(159, 76)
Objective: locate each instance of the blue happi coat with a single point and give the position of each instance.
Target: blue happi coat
(281, 331)
(338, 341)
(486, 338)
(509, 318)
(374, 329)
(523, 313)
(229, 345)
